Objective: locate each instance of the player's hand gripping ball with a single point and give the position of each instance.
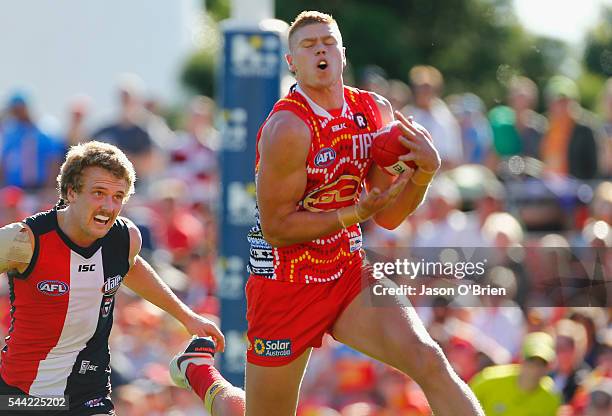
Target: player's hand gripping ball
(387, 149)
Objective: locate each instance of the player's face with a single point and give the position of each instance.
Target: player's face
(317, 55)
(98, 203)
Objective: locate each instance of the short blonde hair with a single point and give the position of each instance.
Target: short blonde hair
(426, 75)
(94, 154)
(309, 17)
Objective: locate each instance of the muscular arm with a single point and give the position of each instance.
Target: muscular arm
(409, 199)
(16, 247)
(281, 181)
(145, 281)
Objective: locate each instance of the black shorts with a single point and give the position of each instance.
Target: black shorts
(96, 404)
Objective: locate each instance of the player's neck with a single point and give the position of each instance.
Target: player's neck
(65, 223)
(329, 98)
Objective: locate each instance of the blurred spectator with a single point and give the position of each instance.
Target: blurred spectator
(501, 318)
(601, 205)
(156, 125)
(504, 234)
(517, 128)
(11, 205)
(548, 266)
(501, 229)
(479, 188)
(130, 400)
(178, 230)
(390, 243)
(355, 375)
(79, 108)
(476, 132)
(29, 158)
(398, 94)
(512, 389)
(436, 323)
(597, 234)
(603, 368)
(430, 111)
(593, 320)
(374, 78)
(193, 154)
(570, 369)
(472, 188)
(600, 400)
(445, 222)
(569, 146)
(463, 356)
(129, 132)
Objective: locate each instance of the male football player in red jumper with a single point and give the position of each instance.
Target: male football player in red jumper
(313, 158)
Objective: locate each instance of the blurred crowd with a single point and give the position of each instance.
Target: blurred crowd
(533, 187)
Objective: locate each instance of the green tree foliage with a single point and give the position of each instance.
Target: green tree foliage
(199, 72)
(597, 61)
(477, 44)
(598, 51)
(218, 9)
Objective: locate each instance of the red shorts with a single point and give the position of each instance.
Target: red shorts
(284, 318)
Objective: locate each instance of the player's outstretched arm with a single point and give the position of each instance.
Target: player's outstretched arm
(281, 182)
(16, 247)
(145, 281)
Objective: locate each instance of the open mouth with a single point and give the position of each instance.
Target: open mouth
(322, 64)
(101, 219)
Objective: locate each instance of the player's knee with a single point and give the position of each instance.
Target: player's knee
(426, 363)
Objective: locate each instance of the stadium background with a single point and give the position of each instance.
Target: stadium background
(191, 152)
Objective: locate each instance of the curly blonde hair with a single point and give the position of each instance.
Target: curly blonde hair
(93, 154)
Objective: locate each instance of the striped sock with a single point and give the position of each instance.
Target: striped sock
(206, 382)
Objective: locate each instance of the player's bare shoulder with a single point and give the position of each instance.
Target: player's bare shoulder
(284, 136)
(384, 106)
(16, 247)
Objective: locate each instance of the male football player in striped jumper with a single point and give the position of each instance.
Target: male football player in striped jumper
(64, 267)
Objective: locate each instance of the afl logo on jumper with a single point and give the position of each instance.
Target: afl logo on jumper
(325, 157)
(52, 287)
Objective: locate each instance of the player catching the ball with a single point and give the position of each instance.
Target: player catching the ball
(313, 158)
